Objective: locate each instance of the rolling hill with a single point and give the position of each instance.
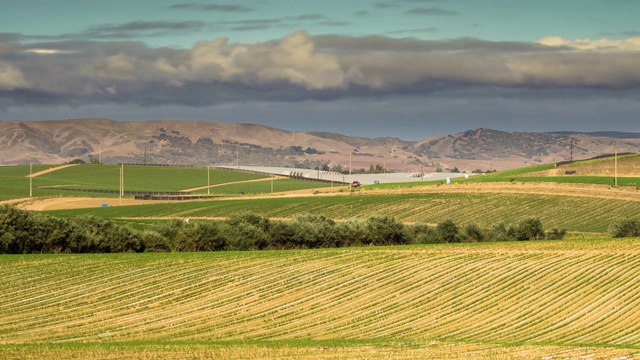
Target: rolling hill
(208, 142)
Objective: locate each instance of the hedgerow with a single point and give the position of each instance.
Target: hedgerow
(23, 232)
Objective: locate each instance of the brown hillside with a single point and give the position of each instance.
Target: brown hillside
(213, 143)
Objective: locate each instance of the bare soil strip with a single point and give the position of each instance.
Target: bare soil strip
(64, 203)
(50, 170)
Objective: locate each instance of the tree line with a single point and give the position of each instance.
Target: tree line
(23, 232)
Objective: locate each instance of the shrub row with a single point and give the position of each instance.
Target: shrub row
(26, 232)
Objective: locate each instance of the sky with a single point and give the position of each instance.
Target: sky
(410, 69)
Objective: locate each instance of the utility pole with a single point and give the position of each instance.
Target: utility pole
(571, 151)
(318, 169)
(121, 183)
(615, 171)
(350, 168)
(30, 180)
(208, 180)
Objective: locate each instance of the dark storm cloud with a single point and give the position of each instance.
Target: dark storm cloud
(432, 11)
(301, 67)
(212, 7)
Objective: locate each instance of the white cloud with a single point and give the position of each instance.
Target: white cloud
(48, 51)
(293, 60)
(11, 77)
(629, 44)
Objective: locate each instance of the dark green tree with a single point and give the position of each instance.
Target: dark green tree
(385, 230)
(625, 228)
(448, 231)
(530, 229)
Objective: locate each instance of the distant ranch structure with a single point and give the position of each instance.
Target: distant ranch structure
(364, 179)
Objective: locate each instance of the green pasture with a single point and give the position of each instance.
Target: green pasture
(140, 178)
(576, 214)
(538, 299)
(15, 183)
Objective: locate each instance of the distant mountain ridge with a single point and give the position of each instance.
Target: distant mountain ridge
(610, 134)
(214, 143)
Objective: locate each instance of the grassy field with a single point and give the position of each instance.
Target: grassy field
(580, 214)
(140, 178)
(563, 299)
(15, 183)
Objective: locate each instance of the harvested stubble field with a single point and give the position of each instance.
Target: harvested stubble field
(501, 300)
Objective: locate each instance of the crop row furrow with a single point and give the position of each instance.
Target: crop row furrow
(366, 295)
(108, 299)
(417, 307)
(327, 293)
(550, 274)
(193, 305)
(454, 314)
(588, 303)
(415, 286)
(231, 304)
(566, 301)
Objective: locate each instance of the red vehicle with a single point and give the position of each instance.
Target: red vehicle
(355, 183)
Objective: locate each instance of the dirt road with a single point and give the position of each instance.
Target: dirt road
(50, 170)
